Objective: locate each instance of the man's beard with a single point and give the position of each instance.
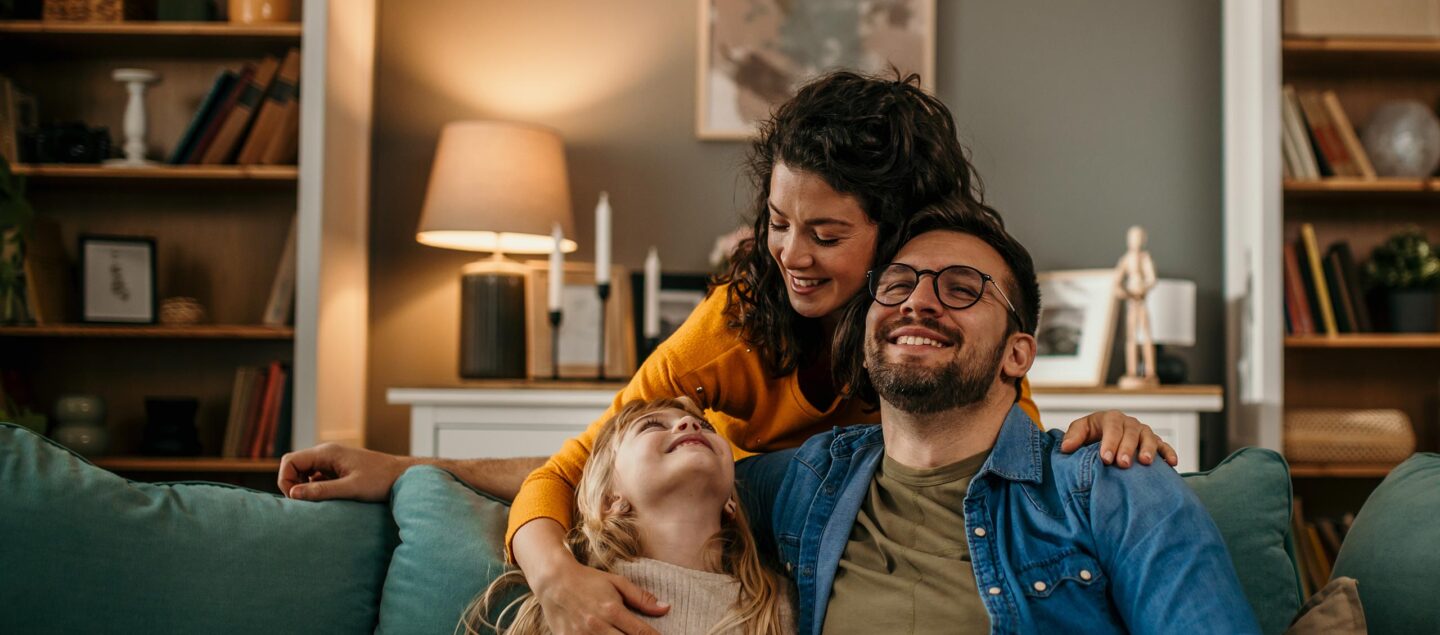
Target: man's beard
(917, 389)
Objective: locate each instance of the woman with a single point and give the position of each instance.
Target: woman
(837, 171)
(657, 505)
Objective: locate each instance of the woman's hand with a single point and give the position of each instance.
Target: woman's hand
(575, 598)
(1121, 437)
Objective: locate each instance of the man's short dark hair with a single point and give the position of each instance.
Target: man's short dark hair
(950, 214)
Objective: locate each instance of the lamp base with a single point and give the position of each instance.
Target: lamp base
(492, 321)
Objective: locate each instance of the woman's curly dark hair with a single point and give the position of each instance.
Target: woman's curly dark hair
(884, 141)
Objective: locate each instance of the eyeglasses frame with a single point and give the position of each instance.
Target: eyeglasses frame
(935, 285)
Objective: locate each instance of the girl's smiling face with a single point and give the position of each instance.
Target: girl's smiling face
(822, 240)
(668, 451)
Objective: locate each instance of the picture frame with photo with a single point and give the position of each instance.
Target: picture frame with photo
(580, 323)
(753, 54)
(1078, 311)
(680, 293)
(117, 279)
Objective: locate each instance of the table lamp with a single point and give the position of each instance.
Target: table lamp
(1172, 323)
(499, 188)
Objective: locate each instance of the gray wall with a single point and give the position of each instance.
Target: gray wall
(1084, 118)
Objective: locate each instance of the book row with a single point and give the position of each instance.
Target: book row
(1317, 543)
(1323, 295)
(1319, 140)
(251, 116)
(259, 424)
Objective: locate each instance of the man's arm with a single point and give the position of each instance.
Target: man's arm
(1168, 566)
(330, 471)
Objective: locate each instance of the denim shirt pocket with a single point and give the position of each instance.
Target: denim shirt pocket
(1063, 576)
(789, 552)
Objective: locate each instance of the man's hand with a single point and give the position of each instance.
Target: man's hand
(330, 471)
(1121, 437)
(578, 599)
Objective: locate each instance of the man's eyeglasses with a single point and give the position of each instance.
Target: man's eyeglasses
(957, 286)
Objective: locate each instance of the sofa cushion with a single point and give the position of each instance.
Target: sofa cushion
(452, 540)
(87, 551)
(1391, 550)
(1248, 497)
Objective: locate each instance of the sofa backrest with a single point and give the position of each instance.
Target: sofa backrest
(83, 550)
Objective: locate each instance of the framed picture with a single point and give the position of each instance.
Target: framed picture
(1077, 324)
(580, 323)
(118, 279)
(754, 53)
(680, 293)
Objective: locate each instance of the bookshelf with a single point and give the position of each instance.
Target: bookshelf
(219, 229)
(1270, 371)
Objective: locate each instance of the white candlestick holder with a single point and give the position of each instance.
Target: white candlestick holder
(136, 80)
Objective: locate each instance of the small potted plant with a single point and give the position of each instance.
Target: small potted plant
(16, 217)
(1406, 268)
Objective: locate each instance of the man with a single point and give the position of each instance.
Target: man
(956, 513)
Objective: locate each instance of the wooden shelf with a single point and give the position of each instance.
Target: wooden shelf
(39, 41)
(1340, 470)
(1375, 54)
(203, 331)
(164, 174)
(282, 31)
(1344, 187)
(196, 464)
(1366, 340)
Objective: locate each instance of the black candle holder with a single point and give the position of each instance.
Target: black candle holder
(555, 317)
(603, 289)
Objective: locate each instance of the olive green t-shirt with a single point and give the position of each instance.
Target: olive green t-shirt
(906, 568)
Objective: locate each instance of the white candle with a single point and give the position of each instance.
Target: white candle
(602, 239)
(557, 268)
(652, 294)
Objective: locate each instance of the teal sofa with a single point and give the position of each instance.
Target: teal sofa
(86, 551)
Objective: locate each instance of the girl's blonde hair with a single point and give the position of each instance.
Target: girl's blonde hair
(603, 537)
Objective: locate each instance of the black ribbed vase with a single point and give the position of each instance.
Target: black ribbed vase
(492, 325)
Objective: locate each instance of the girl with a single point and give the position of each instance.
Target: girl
(657, 505)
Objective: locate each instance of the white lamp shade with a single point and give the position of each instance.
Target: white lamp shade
(497, 187)
(1172, 312)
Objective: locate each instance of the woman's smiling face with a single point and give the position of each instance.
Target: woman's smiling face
(822, 240)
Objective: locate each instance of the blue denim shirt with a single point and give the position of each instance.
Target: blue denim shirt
(1057, 540)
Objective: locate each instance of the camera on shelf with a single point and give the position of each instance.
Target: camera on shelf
(69, 142)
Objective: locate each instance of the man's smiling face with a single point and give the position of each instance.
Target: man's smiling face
(926, 357)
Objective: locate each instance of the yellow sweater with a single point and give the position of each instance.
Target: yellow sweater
(710, 363)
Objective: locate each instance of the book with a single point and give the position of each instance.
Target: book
(254, 407)
(284, 147)
(233, 420)
(282, 91)
(1363, 323)
(238, 120)
(1339, 295)
(9, 122)
(282, 288)
(1321, 573)
(286, 428)
(1295, 296)
(1330, 535)
(1298, 135)
(221, 113)
(1301, 543)
(1348, 136)
(1327, 139)
(270, 405)
(47, 273)
(224, 81)
(1317, 275)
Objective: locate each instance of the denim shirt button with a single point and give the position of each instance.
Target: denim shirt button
(1085, 575)
(1039, 586)
(994, 590)
(829, 490)
(980, 531)
(806, 571)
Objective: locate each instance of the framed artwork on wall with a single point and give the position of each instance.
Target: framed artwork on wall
(1077, 324)
(117, 279)
(754, 53)
(680, 293)
(580, 323)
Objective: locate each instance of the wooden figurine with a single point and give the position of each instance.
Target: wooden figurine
(1134, 278)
